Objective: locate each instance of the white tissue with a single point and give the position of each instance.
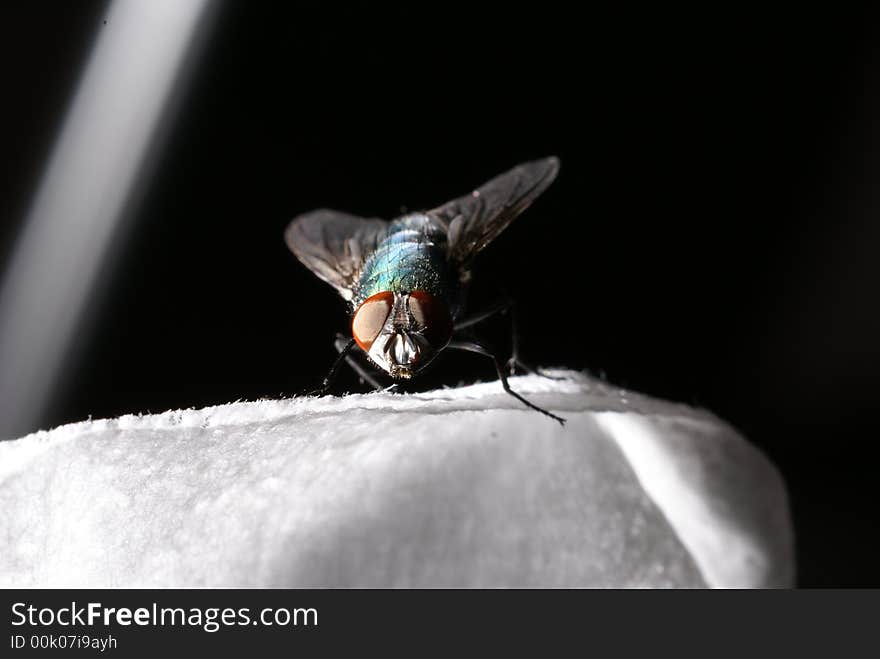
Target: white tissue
(454, 487)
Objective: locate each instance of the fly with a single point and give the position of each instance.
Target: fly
(405, 280)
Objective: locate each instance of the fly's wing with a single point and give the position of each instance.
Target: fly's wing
(334, 245)
(475, 220)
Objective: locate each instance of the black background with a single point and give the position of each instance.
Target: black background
(712, 236)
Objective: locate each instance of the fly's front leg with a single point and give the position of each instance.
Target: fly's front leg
(507, 307)
(495, 309)
(340, 344)
(473, 346)
(344, 347)
(334, 370)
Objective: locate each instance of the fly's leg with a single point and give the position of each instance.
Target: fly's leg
(514, 360)
(343, 345)
(497, 308)
(508, 307)
(473, 346)
(334, 370)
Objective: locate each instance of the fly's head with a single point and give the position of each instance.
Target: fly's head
(402, 332)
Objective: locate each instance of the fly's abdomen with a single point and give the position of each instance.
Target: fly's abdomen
(411, 257)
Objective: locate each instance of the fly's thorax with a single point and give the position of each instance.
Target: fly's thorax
(412, 256)
(402, 332)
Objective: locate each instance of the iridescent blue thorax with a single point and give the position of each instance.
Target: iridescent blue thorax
(411, 256)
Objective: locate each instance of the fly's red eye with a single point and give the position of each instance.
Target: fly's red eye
(370, 318)
(432, 317)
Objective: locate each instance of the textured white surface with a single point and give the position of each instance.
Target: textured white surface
(454, 487)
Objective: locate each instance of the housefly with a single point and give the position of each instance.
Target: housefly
(405, 280)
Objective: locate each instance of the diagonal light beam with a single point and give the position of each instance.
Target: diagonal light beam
(100, 159)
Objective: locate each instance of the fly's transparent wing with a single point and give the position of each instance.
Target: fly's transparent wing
(334, 245)
(475, 220)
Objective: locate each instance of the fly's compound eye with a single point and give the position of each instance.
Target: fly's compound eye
(433, 320)
(370, 318)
